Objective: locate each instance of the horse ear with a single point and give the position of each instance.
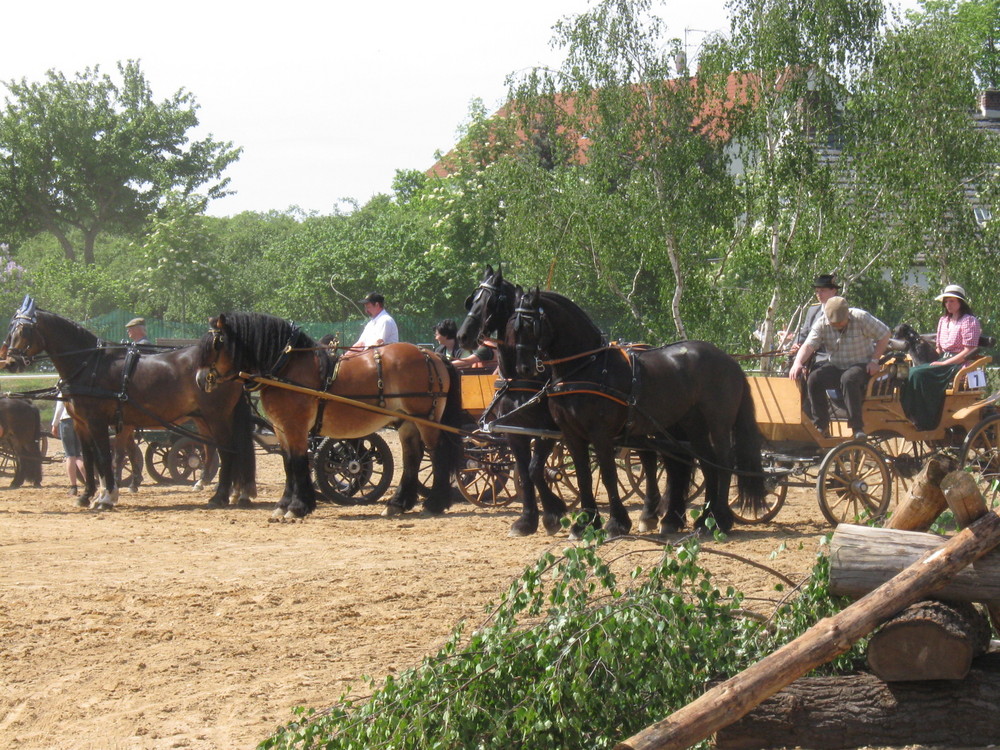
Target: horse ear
(217, 322)
(499, 272)
(489, 272)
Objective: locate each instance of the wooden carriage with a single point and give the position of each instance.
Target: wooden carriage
(855, 478)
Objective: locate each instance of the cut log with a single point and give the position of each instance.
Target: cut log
(824, 641)
(925, 501)
(860, 710)
(962, 495)
(929, 640)
(863, 558)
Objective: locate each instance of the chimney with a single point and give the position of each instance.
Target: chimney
(989, 104)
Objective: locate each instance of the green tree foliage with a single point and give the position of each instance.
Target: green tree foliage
(84, 155)
(573, 657)
(977, 33)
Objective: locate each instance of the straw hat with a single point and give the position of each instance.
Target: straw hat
(952, 290)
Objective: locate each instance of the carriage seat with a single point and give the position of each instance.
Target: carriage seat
(962, 382)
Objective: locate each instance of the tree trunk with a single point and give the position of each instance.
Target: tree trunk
(925, 500)
(824, 641)
(863, 558)
(929, 640)
(860, 710)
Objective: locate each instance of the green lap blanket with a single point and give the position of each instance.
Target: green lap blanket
(923, 393)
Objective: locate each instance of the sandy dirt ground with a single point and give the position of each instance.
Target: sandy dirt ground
(163, 624)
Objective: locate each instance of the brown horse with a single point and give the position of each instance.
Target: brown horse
(400, 378)
(112, 386)
(20, 429)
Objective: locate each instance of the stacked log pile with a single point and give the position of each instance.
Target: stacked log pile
(930, 683)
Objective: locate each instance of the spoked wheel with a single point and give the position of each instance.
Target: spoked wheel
(488, 477)
(906, 457)
(981, 455)
(186, 461)
(637, 476)
(854, 483)
(9, 461)
(156, 461)
(777, 490)
(353, 472)
(560, 475)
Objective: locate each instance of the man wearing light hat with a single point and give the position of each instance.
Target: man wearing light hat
(856, 341)
(380, 329)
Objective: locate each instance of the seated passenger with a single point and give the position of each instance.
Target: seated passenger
(958, 332)
(856, 341)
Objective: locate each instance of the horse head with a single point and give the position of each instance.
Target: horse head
(489, 308)
(528, 330)
(215, 363)
(23, 342)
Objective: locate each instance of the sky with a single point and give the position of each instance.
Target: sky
(327, 99)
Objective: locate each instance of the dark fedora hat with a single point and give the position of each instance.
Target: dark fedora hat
(825, 281)
(373, 297)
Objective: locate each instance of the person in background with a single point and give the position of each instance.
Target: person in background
(444, 334)
(856, 341)
(380, 329)
(136, 330)
(62, 428)
(824, 286)
(958, 332)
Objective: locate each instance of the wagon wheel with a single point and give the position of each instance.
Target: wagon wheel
(637, 477)
(777, 490)
(488, 477)
(353, 472)
(186, 460)
(854, 482)
(9, 462)
(156, 461)
(560, 475)
(906, 457)
(981, 455)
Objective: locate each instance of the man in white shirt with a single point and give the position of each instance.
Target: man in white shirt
(380, 328)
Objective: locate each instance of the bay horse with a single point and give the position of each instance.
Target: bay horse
(20, 430)
(601, 396)
(401, 378)
(113, 386)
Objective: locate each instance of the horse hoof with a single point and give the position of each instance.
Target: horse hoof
(244, 502)
(552, 524)
(197, 486)
(215, 505)
(277, 514)
(290, 517)
(616, 529)
(390, 511)
(523, 527)
(646, 525)
(82, 502)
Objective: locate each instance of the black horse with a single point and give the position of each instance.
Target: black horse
(112, 386)
(20, 430)
(490, 307)
(601, 396)
(906, 339)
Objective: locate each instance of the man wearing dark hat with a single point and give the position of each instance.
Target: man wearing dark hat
(856, 341)
(380, 328)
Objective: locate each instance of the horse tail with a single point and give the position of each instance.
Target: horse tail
(244, 473)
(747, 437)
(452, 447)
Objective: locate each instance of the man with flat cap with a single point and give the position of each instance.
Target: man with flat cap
(136, 330)
(855, 340)
(380, 328)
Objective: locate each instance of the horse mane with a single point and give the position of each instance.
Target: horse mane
(257, 340)
(70, 328)
(571, 309)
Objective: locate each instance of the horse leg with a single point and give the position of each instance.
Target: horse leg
(527, 523)
(651, 502)
(108, 496)
(588, 515)
(89, 470)
(718, 475)
(135, 457)
(405, 496)
(619, 523)
(680, 472)
(553, 508)
(18, 480)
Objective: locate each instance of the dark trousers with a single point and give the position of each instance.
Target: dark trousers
(851, 383)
